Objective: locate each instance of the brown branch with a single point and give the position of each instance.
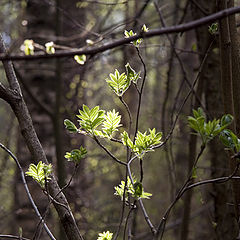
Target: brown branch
(29, 134)
(28, 192)
(156, 32)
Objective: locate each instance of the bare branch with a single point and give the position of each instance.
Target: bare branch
(156, 32)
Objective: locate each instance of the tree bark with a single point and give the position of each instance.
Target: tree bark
(26, 126)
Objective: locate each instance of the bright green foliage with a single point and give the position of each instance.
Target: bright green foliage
(105, 236)
(230, 140)
(143, 142)
(145, 28)
(90, 119)
(28, 47)
(76, 155)
(70, 126)
(40, 172)
(130, 33)
(111, 123)
(126, 140)
(50, 48)
(118, 82)
(213, 29)
(80, 59)
(208, 130)
(135, 190)
(132, 76)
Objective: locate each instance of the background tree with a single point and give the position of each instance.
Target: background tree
(182, 72)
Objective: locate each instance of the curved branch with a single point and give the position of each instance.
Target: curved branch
(156, 32)
(28, 192)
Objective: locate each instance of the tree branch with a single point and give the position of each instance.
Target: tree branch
(156, 32)
(28, 192)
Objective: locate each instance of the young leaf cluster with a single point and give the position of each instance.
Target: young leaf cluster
(120, 83)
(130, 33)
(135, 190)
(230, 140)
(50, 47)
(28, 47)
(40, 172)
(105, 236)
(143, 142)
(80, 59)
(91, 119)
(76, 155)
(111, 123)
(208, 130)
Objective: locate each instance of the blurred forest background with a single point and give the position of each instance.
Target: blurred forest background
(55, 88)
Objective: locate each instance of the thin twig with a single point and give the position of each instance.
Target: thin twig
(140, 91)
(108, 152)
(185, 99)
(162, 223)
(28, 192)
(153, 230)
(2, 236)
(178, 57)
(54, 198)
(128, 111)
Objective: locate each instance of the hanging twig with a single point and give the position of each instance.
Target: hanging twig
(28, 192)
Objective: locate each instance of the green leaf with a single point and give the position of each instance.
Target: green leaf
(208, 130)
(40, 172)
(80, 59)
(144, 28)
(135, 190)
(138, 189)
(70, 126)
(213, 29)
(111, 123)
(50, 48)
(230, 140)
(119, 83)
(76, 155)
(126, 140)
(105, 236)
(132, 76)
(130, 33)
(90, 119)
(28, 47)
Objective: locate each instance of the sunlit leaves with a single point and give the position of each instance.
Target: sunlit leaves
(131, 74)
(119, 83)
(208, 130)
(135, 190)
(111, 123)
(40, 172)
(90, 119)
(145, 28)
(143, 142)
(130, 33)
(70, 126)
(76, 155)
(50, 48)
(105, 236)
(230, 140)
(28, 47)
(80, 59)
